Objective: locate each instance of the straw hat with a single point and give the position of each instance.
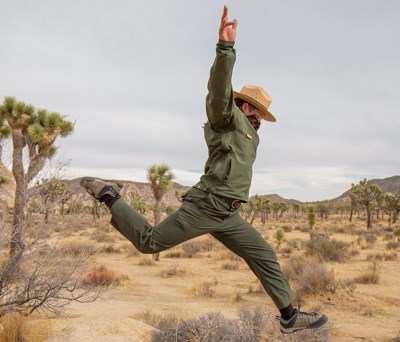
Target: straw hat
(257, 97)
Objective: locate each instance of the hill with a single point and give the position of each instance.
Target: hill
(388, 185)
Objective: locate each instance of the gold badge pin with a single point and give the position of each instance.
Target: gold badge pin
(248, 136)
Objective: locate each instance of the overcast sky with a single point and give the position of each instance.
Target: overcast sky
(133, 76)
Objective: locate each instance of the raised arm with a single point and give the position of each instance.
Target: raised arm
(219, 101)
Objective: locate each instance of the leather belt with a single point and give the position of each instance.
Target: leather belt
(232, 202)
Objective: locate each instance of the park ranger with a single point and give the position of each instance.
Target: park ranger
(211, 206)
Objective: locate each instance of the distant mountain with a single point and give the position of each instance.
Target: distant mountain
(388, 185)
(277, 198)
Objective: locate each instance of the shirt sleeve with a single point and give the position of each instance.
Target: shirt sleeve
(219, 101)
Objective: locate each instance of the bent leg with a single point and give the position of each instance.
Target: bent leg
(186, 223)
(244, 240)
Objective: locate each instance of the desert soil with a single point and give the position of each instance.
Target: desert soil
(369, 313)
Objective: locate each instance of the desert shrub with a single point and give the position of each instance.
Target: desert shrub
(371, 276)
(203, 289)
(362, 242)
(388, 236)
(173, 271)
(76, 249)
(110, 249)
(251, 326)
(339, 230)
(305, 229)
(158, 321)
(311, 275)
(99, 276)
(230, 266)
(286, 250)
(390, 257)
(369, 238)
(349, 285)
(174, 254)
(392, 245)
(388, 229)
(237, 297)
(296, 243)
(101, 236)
(191, 248)
(354, 252)
(145, 260)
(208, 244)
(287, 228)
(382, 257)
(328, 249)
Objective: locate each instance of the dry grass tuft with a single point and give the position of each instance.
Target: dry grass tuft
(76, 249)
(392, 245)
(110, 249)
(158, 321)
(230, 266)
(145, 260)
(174, 254)
(17, 328)
(203, 289)
(173, 271)
(238, 297)
(101, 236)
(382, 257)
(371, 276)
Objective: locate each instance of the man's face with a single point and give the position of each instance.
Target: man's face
(252, 114)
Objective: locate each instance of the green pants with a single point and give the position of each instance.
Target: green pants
(201, 213)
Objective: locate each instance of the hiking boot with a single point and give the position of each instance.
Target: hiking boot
(302, 320)
(99, 187)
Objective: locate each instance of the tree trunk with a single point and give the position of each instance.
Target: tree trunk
(157, 219)
(17, 244)
(369, 218)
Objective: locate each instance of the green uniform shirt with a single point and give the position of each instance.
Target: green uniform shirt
(231, 139)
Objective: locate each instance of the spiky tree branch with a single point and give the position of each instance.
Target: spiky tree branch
(36, 130)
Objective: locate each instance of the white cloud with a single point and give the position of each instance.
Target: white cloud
(133, 76)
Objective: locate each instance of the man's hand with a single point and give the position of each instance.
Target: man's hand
(227, 29)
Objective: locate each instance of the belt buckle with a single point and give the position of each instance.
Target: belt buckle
(235, 204)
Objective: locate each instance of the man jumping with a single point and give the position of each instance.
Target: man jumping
(211, 206)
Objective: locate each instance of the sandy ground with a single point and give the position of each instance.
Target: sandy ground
(370, 313)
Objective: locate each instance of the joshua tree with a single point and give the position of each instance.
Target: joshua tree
(393, 205)
(160, 178)
(53, 192)
(311, 220)
(296, 209)
(367, 193)
(33, 132)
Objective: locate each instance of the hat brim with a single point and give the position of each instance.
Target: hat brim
(266, 115)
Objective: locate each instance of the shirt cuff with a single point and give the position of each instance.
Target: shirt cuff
(224, 43)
